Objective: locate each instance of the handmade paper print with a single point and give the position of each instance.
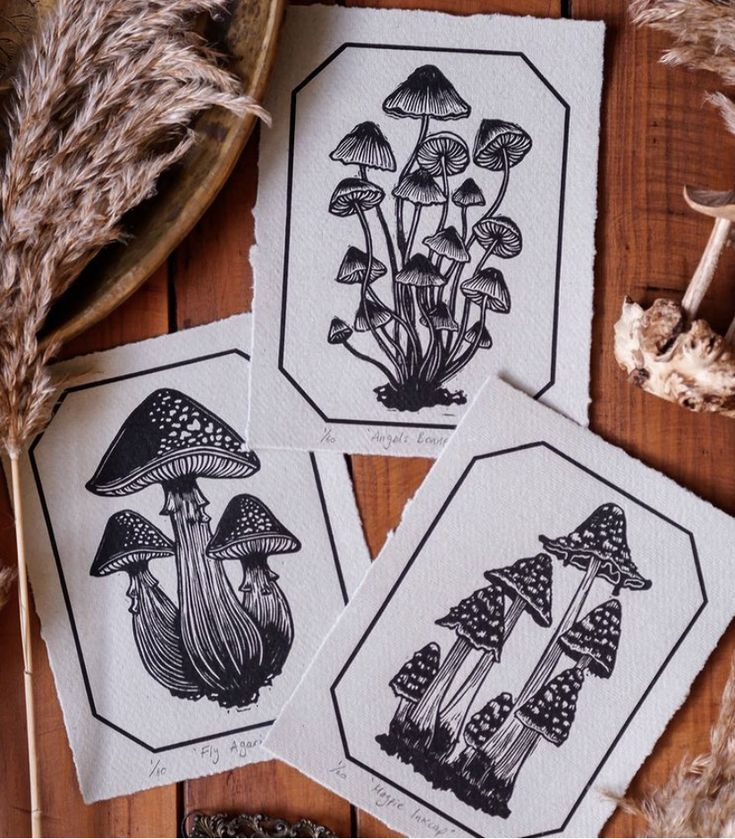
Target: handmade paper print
(426, 230)
(183, 579)
(523, 639)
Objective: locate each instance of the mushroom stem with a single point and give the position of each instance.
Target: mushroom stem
(489, 251)
(463, 214)
(445, 206)
(386, 372)
(424, 312)
(220, 639)
(406, 169)
(413, 229)
(705, 271)
(465, 359)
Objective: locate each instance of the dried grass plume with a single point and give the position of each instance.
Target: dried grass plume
(102, 101)
(7, 578)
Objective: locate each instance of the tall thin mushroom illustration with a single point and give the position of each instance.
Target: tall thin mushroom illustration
(593, 641)
(443, 154)
(481, 726)
(467, 194)
(527, 585)
(128, 544)
(249, 531)
(340, 334)
(353, 268)
(599, 547)
(172, 440)
(426, 94)
(478, 622)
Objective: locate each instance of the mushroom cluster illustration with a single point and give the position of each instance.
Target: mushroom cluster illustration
(210, 644)
(425, 279)
(453, 727)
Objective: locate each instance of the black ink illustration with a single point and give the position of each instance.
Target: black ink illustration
(211, 644)
(426, 323)
(474, 741)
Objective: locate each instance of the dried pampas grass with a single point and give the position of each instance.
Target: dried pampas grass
(7, 578)
(704, 39)
(102, 103)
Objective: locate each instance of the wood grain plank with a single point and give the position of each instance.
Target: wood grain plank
(657, 135)
(213, 280)
(152, 813)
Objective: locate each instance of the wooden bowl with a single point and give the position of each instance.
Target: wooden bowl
(248, 37)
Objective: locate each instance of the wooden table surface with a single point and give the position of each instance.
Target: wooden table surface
(656, 135)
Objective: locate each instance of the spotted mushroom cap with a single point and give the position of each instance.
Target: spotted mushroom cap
(498, 141)
(248, 527)
(530, 579)
(444, 150)
(486, 339)
(595, 636)
(419, 187)
(479, 619)
(365, 145)
(370, 313)
(426, 93)
(500, 233)
(447, 242)
(411, 681)
(169, 436)
(352, 194)
(482, 725)
(603, 536)
(339, 332)
(353, 267)
(468, 194)
(441, 318)
(488, 284)
(420, 272)
(551, 710)
(129, 540)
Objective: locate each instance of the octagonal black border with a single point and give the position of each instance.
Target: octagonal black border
(286, 242)
(414, 556)
(60, 570)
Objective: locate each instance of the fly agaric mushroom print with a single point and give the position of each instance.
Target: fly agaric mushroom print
(527, 585)
(593, 641)
(417, 320)
(128, 544)
(249, 531)
(172, 440)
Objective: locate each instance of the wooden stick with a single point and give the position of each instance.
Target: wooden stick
(702, 278)
(25, 635)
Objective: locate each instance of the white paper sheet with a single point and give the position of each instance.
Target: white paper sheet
(118, 660)
(507, 96)
(541, 731)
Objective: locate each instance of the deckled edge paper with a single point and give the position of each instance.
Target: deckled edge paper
(92, 755)
(280, 416)
(309, 716)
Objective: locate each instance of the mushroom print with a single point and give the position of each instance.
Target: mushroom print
(422, 322)
(461, 740)
(249, 531)
(128, 544)
(172, 440)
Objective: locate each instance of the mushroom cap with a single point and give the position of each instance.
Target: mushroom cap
(479, 619)
(596, 635)
(365, 145)
(530, 579)
(426, 93)
(420, 272)
(129, 539)
(248, 527)
(711, 202)
(600, 536)
(468, 194)
(370, 314)
(485, 722)
(551, 710)
(497, 140)
(353, 193)
(419, 187)
(339, 332)
(354, 264)
(441, 318)
(169, 436)
(411, 681)
(486, 339)
(447, 242)
(444, 149)
(488, 284)
(502, 233)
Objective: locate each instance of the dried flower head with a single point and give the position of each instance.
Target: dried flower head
(102, 103)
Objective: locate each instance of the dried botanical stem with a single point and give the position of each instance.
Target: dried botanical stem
(702, 277)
